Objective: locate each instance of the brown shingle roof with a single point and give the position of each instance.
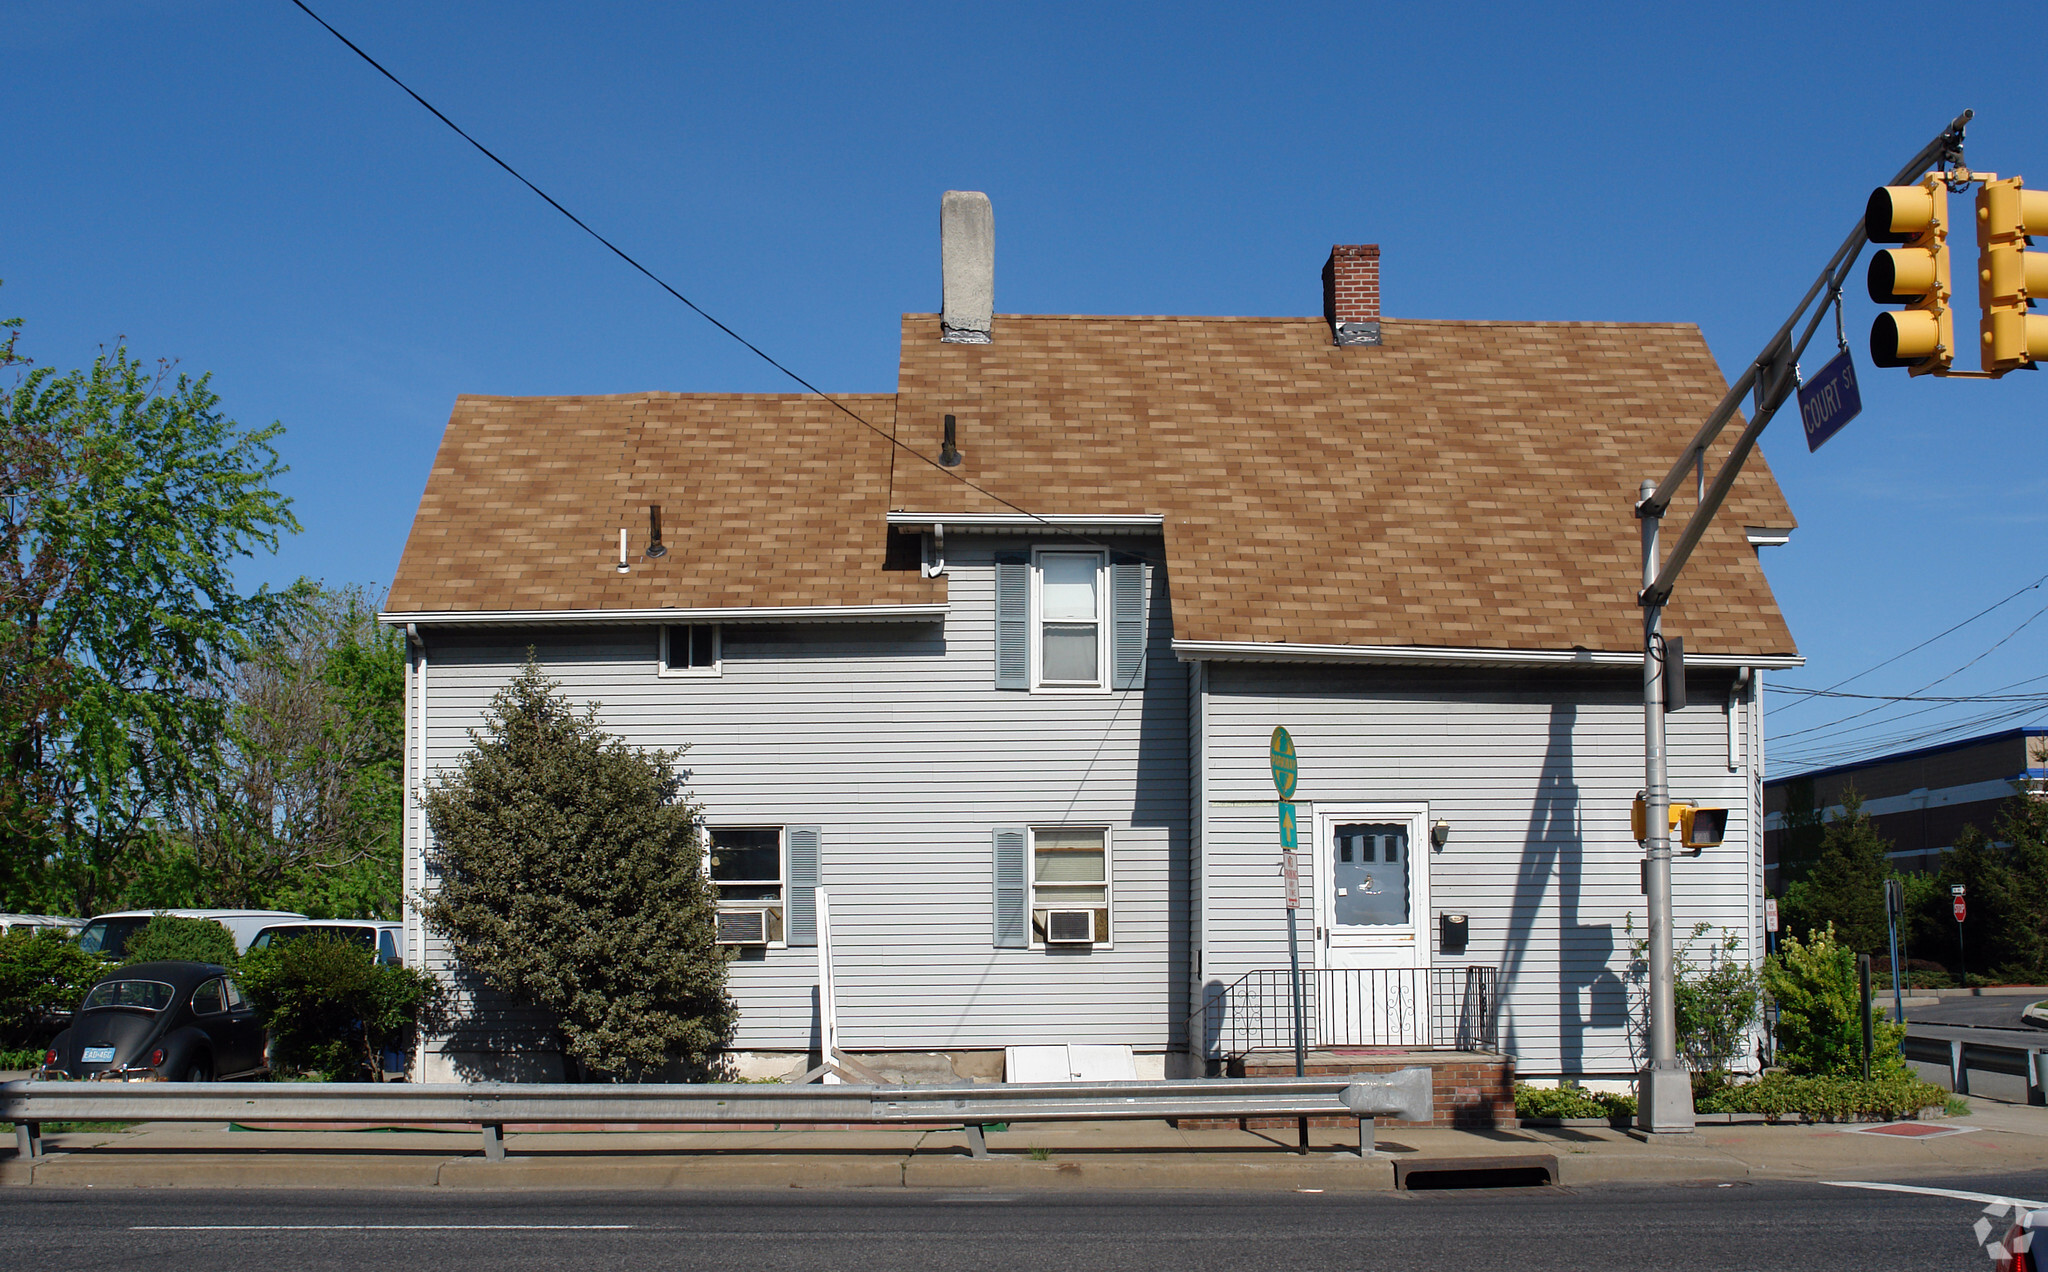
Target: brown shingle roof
(766, 500)
(1465, 484)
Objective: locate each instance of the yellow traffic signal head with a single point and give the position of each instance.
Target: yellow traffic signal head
(2009, 277)
(1920, 337)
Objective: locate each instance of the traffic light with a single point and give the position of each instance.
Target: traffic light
(1920, 337)
(2009, 277)
(1697, 827)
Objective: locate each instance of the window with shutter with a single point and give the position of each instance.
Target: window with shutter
(1011, 889)
(1013, 620)
(804, 878)
(1127, 614)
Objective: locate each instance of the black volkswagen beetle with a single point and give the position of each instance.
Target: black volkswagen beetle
(160, 1022)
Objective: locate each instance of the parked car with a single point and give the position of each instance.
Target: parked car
(40, 922)
(385, 936)
(108, 933)
(157, 1022)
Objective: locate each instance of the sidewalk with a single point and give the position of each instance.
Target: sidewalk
(1097, 1155)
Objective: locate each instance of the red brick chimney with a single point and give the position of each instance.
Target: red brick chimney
(1351, 293)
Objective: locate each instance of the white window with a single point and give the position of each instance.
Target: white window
(691, 649)
(1069, 876)
(1069, 634)
(746, 869)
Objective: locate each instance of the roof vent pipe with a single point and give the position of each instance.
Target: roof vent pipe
(967, 257)
(949, 454)
(656, 549)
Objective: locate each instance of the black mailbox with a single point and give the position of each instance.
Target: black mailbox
(1452, 928)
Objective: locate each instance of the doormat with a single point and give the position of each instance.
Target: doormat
(1911, 1130)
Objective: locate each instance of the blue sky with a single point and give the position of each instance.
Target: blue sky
(224, 183)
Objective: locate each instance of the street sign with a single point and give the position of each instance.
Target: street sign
(1771, 913)
(1829, 400)
(1290, 858)
(1955, 889)
(1284, 767)
(1961, 908)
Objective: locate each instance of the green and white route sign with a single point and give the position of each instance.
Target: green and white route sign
(1284, 772)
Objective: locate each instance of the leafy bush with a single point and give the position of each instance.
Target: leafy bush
(1717, 998)
(40, 972)
(333, 1009)
(169, 938)
(1570, 1101)
(1824, 1097)
(571, 879)
(22, 1058)
(1820, 1026)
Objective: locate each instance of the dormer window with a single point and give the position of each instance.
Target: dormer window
(1070, 620)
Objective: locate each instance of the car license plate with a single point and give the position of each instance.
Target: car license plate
(97, 1055)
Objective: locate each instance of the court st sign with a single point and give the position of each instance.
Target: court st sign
(1829, 400)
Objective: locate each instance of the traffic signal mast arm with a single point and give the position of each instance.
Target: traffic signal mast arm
(1772, 379)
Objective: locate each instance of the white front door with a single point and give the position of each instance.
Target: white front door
(1372, 900)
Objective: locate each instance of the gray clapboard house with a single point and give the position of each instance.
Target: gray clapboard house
(1009, 700)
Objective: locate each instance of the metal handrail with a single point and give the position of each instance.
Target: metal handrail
(491, 1105)
(1454, 1008)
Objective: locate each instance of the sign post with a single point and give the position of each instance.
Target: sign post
(1285, 769)
(1894, 906)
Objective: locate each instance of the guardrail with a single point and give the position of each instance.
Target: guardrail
(1963, 1049)
(489, 1106)
(1418, 1008)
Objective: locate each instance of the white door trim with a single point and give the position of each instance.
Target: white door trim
(1394, 947)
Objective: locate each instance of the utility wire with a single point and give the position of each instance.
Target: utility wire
(1931, 639)
(656, 279)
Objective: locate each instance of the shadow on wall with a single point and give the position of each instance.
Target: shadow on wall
(1590, 995)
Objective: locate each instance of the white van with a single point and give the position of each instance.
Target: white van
(40, 923)
(108, 933)
(386, 937)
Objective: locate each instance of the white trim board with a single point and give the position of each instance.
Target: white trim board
(641, 617)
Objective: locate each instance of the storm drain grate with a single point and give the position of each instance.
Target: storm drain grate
(1520, 1171)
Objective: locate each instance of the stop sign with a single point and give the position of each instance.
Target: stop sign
(1959, 908)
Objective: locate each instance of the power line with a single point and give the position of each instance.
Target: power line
(657, 280)
(1937, 636)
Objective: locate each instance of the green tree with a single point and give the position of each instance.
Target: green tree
(130, 495)
(40, 972)
(1800, 844)
(302, 806)
(571, 879)
(2006, 887)
(1845, 888)
(332, 1009)
(1820, 1022)
(176, 939)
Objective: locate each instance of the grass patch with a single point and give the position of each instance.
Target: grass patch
(61, 1128)
(1041, 1154)
(1956, 1106)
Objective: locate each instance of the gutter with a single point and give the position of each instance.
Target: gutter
(641, 617)
(1450, 656)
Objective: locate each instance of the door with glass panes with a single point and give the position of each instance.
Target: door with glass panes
(1372, 903)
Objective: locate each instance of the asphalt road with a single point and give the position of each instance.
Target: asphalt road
(1985, 1013)
(1700, 1228)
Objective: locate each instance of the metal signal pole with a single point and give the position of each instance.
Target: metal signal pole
(1664, 1089)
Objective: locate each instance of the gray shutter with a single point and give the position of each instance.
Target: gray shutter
(1012, 925)
(1127, 620)
(800, 923)
(1013, 620)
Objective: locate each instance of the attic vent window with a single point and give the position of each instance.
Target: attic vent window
(691, 649)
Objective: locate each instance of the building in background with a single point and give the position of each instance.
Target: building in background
(1920, 800)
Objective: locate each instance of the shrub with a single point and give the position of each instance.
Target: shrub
(332, 1009)
(170, 938)
(1820, 1027)
(40, 973)
(1716, 995)
(1825, 1097)
(1570, 1101)
(571, 879)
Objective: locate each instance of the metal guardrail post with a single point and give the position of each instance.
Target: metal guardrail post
(1958, 1072)
(2037, 1077)
(977, 1142)
(494, 1141)
(28, 1139)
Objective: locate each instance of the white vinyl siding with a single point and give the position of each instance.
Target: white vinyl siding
(892, 740)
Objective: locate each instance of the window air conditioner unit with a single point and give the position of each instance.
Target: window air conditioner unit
(743, 927)
(1070, 927)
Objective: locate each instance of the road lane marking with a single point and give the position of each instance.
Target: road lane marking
(379, 1227)
(1989, 1199)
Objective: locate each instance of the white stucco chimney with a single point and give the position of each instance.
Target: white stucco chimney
(967, 254)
